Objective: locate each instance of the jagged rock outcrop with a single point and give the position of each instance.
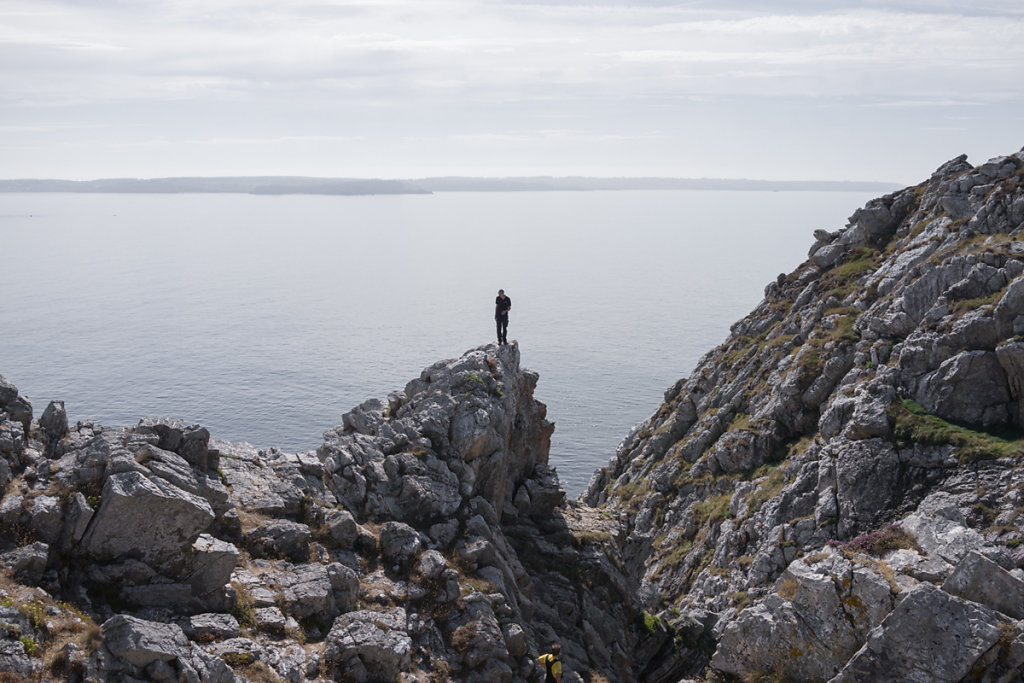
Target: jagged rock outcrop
(427, 539)
(856, 440)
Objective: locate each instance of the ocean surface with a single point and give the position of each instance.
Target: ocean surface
(264, 318)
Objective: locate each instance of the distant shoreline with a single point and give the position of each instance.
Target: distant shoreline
(288, 185)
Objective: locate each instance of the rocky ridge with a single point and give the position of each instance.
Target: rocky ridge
(427, 539)
(838, 489)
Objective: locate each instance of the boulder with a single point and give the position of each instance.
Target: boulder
(341, 527)
(981, 580)
(970, 387)
(54, 421)
(134, 507)
(958, 634)
(399, 542)
(140, 643)
(28, 562)
(821, 615)
(16, 406)
(45, 518)
(376, 640)
(211, 626)
(279, 538)
(213, 561)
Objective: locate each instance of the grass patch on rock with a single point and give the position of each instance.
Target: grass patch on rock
(912, 423)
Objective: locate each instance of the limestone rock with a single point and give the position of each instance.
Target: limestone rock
(54, 421)
(27, 562)
(374, 644)
(981, 580)
(959, 633)
(399, 542)
(279, 538)
(135, 507)
(211, 626)
(140, 643)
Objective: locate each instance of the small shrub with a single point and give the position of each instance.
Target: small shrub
(892, 537)
(652, 623)
(30, 645)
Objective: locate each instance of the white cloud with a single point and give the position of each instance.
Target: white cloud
(269, 74)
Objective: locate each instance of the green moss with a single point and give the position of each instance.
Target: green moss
(652, 623)
(912, 423)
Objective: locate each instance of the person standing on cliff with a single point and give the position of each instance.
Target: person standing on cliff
(502, 304)
(552, 664)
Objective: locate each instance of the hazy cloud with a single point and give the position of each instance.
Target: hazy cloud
(405, 85)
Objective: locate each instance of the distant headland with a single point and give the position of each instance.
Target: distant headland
(277, 185)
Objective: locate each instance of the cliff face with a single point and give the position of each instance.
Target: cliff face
(426, 540)
(854, 443)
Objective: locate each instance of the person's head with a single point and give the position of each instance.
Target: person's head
(501, 292)
(556, 649)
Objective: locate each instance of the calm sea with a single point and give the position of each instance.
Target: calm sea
(265, 318)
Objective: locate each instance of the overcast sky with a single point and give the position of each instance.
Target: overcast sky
(793, 89)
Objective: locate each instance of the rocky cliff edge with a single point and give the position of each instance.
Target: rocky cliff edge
(838, 490)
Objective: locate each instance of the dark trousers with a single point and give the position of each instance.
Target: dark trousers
(502, 323)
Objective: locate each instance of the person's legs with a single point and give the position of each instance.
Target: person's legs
(497, 322)
(504, 331)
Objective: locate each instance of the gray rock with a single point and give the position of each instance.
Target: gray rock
(79, 515)
(341, 527)
(54, 421)
(11, 509)
(809, 633)
(399, 542)
(134, 507)
(5, 473)
(164, 595)
(240, 651)
(981, 580)
(169, 432)
(17, 407)
(959, 633)
(279, 538)
(377, 640)
(45, 518)
(430, 565)
(140, 643)
(15, 662)
(270, 620)
(304, 590)
(211, 626)
(345, 584)
(213, 561)
(28, 562)
(940, 529)
(867, 474)
(970, 387)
